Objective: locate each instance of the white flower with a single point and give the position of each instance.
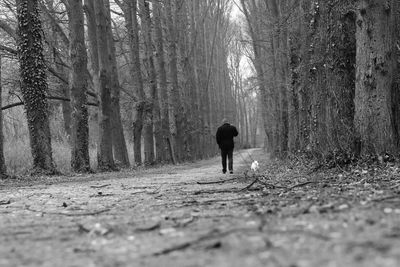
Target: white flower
(254, 166)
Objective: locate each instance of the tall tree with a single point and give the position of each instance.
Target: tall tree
(174, 100)
(92, 40)
(132, 25)
(257, 61)
(3, 169)
(34, 84)
(104, 153)
(80, 161)
(151, 100)
(376, 75)
(119, 144)
(58, 43)
(162, 128)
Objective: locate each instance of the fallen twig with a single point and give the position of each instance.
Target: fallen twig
(208, 202)
(5, 202)
(250, 185)
(175, 248)
(100, 186)
(212, 235)
(100, 194)
(69, 213)
(214, 191)
(273, 186)
(218, 182)
(301, 184)
(385, 198)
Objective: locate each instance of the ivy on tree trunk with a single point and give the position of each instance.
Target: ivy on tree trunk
(34, 85)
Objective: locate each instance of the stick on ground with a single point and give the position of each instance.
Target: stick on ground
(218, 182)
(68, 213)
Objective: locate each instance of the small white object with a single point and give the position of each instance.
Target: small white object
(388, 210)
(254, 166)
(343, 207)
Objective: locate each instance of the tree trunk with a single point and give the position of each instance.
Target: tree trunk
(148, 132)
(261, 77)
(104, 153)
(92, 39)
(284, 70)
(118, 140)
(293, 101)
(173, 88)
(341, 83)
(3, 169)
(138, 110)
(62, 86)
(316, 82)
(194, 14)
(80, 161)
(304, 92)
(66, 106)
(162, 128)
(375, 76)
(34, 85)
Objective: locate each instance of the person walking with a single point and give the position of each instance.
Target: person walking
(225, 134)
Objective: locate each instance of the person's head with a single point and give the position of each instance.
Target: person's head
(224, 121)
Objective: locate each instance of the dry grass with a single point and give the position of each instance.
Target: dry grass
(17, 150)
(18, 157)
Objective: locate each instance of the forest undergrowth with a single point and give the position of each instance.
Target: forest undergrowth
(362, 183)
(18, 158)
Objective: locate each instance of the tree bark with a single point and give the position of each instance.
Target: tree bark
(92, 39)
(304, 93)
(62, 86)
(3, 169)
(80, 161)
(104, 153)
(261, 77)
(150, 103)
(174, 103)
(34, 85)
(118, 141)
(375, 76)
(138, 110)
(162, 128)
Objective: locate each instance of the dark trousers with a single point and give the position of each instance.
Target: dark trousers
(227, 153)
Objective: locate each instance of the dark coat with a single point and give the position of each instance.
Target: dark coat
(224, 136)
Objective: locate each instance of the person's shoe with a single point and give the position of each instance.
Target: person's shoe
(231, 172)
(223, 171)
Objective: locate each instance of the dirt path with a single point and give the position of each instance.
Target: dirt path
(164, 217)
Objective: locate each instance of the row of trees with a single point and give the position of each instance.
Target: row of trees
(155, 71)
(327, 74)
